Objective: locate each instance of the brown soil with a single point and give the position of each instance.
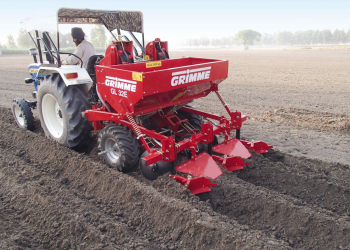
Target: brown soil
(295, 197)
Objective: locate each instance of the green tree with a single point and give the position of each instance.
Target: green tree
(298, 37)
(24, 40)
(285, 38)
(326, 36)
(247, 37)
(268, 39)
(309, 37)
(11, 42)
(227, 41)
(318, 37)
(215, 42)
(98, 36)
(339, 36)
(193, 42)
(205, 41)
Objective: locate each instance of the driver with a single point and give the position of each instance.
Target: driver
(84, 48)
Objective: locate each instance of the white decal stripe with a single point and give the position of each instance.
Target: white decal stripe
(201, 69)
(128, 81)
(190, 71)
(179, 73)
(120, 80)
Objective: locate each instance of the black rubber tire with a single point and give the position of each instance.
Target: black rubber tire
(72, 102)
(127, 153)
(23, 114)
(195, 120)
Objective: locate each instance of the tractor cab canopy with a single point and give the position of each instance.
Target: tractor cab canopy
(121, 20)
(130, 21)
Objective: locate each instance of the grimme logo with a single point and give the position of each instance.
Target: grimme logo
(122, 84)
(190, 75)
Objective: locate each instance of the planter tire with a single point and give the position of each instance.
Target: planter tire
(119, 147)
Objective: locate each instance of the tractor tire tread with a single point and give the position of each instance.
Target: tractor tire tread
(27, 112)
(129, 147)
(74, 101)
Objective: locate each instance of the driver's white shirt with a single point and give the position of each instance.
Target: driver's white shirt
(84, 50)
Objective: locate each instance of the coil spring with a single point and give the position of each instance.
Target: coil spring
(134, 126)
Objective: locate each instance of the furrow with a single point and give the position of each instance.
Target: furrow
(313, 182)
(169, 222)
(278, 215)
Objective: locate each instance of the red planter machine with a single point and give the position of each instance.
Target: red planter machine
(155, 91)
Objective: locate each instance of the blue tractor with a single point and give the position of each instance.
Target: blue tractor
(63, 92)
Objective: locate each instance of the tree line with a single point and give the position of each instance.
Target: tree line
(308, 37)
(97, 34)
(98, 38)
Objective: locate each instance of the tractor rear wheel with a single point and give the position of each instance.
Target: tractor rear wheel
(119, 147)
(23, 114)
(60, 109)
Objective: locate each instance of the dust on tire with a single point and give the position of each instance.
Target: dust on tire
(72, 101)
(125, 143)
(23, 114)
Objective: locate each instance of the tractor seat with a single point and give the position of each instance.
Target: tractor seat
(93, 61)
(161, 54)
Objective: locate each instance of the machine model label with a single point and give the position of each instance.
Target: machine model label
(190, 75)
(120, 86)
(153, 64)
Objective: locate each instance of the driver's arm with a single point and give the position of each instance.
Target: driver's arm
(72, 60)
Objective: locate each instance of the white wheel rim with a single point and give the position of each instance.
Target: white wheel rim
(52, 115)
(112, 144)
(19, 115)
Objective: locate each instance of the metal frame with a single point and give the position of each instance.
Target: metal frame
(155, 91)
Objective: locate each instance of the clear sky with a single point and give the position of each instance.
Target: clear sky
(182, 19)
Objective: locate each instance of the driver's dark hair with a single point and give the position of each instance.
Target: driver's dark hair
(78, 33)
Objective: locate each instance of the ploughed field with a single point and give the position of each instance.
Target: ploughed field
(295, 197)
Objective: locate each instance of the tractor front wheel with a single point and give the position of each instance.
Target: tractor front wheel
(22, 114)
(119, 147)
(60, 109)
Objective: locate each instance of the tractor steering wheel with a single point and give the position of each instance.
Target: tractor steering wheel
(71, 54)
